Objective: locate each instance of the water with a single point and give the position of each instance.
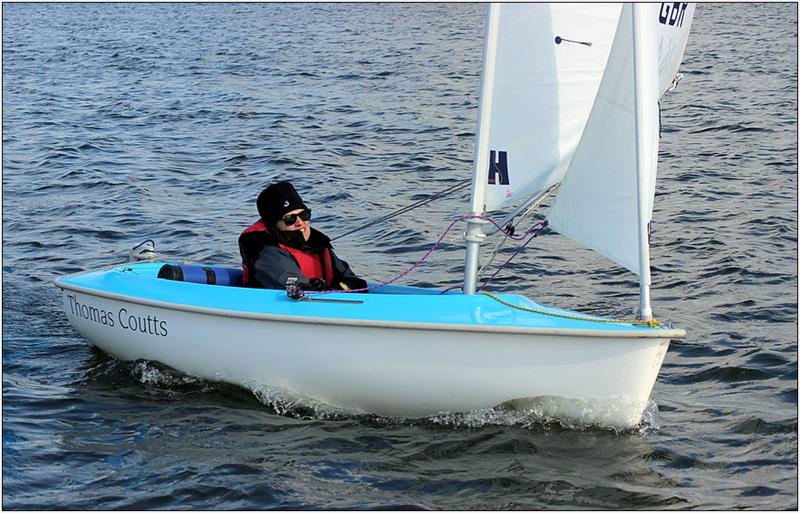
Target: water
(123, 122)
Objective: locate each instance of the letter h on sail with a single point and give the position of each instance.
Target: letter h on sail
(498, 165)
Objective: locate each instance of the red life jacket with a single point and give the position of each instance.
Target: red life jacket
(312, 266)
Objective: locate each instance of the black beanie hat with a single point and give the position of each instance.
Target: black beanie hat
(276, 200)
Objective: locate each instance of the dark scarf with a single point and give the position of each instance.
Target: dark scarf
(316, 242)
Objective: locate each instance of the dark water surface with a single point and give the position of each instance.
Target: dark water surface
(123, 122)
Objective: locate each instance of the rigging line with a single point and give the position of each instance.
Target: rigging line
(534, 232)
(416, 264)
(509, 222)
(407, 208)
(492, 255)
(538, 201)
(526, 207)
(424, 257)
(659, 119)
(651, 323)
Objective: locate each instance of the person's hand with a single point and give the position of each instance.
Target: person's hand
(353, 283)
(319, 284)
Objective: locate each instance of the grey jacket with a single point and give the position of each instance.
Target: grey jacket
(269, 266)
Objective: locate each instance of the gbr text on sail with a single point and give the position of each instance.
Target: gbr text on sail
(671, 13)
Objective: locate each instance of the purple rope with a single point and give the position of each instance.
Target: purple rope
(535, 230)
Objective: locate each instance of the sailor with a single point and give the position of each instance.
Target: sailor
(282, 245)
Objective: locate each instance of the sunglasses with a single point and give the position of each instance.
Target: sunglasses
(290, 219)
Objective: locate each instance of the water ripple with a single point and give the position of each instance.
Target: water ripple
(129, 121)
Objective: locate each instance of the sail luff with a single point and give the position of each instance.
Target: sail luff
(474, 234)
(486, 97)
(645, 73)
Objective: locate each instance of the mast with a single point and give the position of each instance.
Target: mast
(475, 235)
(645, 72)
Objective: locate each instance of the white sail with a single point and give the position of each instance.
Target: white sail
(547, 63)
(543, 66)
(597, 203)
(673, 22)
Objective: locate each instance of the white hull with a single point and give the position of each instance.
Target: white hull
(389, 368)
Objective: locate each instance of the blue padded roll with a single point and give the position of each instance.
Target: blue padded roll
(227, 276)
(202, 274)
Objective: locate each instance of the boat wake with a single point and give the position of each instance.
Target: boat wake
(553, 414)
(288, 403)
(541, 413)
(163, 380)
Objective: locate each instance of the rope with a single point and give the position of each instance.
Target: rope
(534, 232)
(509, 229)
(408, 208)
(407, 271)
(494, 253)
(652, 323)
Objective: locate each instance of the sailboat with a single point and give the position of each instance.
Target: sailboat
(569, 98)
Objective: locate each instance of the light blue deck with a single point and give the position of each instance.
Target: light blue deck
(390, 303)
